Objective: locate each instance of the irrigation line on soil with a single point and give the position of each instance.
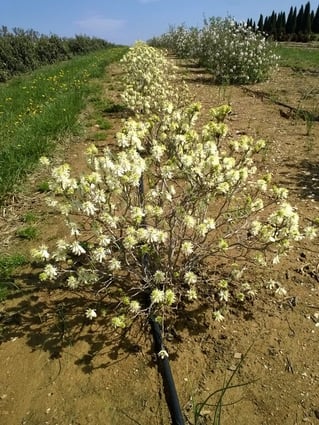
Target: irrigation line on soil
(168, 380)
(163, 362)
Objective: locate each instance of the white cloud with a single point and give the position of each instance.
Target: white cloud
(100, 26)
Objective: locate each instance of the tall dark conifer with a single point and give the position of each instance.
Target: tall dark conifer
(300, 20)
(315, 22)
(267, 25)
(260, 23)
(273, 24)
(294, 21)
(306, 19)
(290, 21)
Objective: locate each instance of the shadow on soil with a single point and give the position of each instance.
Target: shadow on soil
(52, 320)
(305, 177)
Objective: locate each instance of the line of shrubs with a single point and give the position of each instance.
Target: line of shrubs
(25, 50)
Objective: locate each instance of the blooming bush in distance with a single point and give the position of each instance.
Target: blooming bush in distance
(233, 52)
(150, 213)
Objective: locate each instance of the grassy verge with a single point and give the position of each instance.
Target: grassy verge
(38, 109)
(299, 57)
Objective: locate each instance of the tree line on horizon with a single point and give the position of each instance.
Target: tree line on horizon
(25, 50)
(298, 25)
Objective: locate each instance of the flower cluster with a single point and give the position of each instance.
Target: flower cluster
(172, 195)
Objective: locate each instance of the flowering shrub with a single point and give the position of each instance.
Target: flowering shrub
(146, 218)
(232, 52)
(151, 82)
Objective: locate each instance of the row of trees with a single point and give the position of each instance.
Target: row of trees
(298, 25)
(22, 51)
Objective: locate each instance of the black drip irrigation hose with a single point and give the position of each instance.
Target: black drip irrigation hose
(168, 380)
(162, 356)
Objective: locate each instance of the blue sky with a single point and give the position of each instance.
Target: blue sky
(124, 21)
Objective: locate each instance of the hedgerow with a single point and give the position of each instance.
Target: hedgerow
(23, 51)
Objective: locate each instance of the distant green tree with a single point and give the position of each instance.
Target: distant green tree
(315, 22)
(281, 25)
(273, 25)
(260, 23)
(306, 19)
(267, 25)
(289, 23)
(300, 20)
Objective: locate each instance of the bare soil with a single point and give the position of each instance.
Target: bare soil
(58, 369)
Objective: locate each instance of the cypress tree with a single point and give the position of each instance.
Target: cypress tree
(306, 19)
(315, 22)
(273, 25)
(267, 25)
(289, 23)
(260, 24)
(300, 20)
(294, 21)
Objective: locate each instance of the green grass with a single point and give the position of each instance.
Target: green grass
(27, 232)
(299, 57)
(38, 109)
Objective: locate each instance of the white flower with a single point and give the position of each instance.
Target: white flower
(189, 221)
(191, 294)
(190, 278)
(223, 245)
(223, 295)
(74, 229)
(218, 316)
(276, 259)
(104, 240)
(162, 354)
(187, 248)
(44, 161)
(119, 322)
(170, 297)
(137, 214)
(72, 282)
(90, 313)
(77, 249)
(51, 271)
(114, 264)
(310, 232)
(40, 254)
(135, 306)
(159, 276)
(88, 208)
(157, 296)
(99, 254)
(281, 292)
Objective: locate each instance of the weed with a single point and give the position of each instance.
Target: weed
(103, 124)
(29, 217)
(198, 407)
(43, 187)
(98, 136)
(27, 232)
